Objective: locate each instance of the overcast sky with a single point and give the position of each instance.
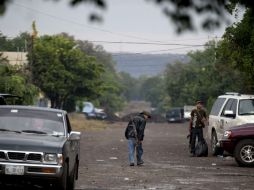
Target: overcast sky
(124, 20)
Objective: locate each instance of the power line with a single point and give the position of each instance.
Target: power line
(84, 25)
(147, 43)
(94, 28)
(152, 51)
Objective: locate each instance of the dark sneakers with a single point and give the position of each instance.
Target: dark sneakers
(131, 164)
(141, 162)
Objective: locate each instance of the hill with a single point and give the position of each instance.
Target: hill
(146, 64)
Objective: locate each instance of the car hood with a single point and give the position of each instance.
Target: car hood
(244, 127)
(31, 142)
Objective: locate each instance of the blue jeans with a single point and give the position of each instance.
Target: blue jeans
(132, 145)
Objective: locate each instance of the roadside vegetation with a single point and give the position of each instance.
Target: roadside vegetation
(68, 71)
(80, 123)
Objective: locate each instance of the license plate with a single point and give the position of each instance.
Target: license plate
(14, 170)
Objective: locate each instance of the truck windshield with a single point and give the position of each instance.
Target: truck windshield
(174, 113)
(246, 107)
(31, 122)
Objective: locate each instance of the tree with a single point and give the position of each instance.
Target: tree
(237, 48)
(110, 96)
(181, 12)
(13, 80)
(130, 85)
(153, 90)
(19, 43)
(61, 70)
(204, 77)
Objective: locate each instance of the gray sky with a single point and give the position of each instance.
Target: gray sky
(124, 20)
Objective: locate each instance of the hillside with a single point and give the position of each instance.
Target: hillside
(146, 64)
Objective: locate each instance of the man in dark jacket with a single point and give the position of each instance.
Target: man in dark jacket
(135, 135)
(197, 123)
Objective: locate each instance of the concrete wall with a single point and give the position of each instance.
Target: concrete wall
(16, 58)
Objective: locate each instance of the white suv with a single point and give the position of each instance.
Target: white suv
(229, 110)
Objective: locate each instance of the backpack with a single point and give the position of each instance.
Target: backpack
(201, 149)
(131, 130)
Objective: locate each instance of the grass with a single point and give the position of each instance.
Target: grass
(80, 123)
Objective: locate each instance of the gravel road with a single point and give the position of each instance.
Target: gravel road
(104, 163)
(168, 166)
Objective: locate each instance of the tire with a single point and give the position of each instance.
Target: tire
(244, 153)
(71, 178)
(214, 148)
(63, 182)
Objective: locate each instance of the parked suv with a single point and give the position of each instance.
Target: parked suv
(228, 110)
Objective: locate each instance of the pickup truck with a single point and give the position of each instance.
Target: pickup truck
(37, 145)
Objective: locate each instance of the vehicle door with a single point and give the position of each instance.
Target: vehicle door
(214, 117)
(228, 115)
(72, 145)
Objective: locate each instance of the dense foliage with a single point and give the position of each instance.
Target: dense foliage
(14, 80)
(68, 70)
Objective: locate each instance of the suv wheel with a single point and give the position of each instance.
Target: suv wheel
(215, 149)
(244, 153)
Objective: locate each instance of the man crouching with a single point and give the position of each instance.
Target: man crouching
(135, 134)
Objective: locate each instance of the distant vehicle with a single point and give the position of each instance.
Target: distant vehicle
(37, 145)
(231, 109)
(175, 115)
(8, 99)
(239, 142)
(187, 111)
(92, 112)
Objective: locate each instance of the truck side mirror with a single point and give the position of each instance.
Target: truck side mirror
(229, 113)
(74, 135)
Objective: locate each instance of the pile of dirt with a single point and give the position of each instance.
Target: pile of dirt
(113, 118)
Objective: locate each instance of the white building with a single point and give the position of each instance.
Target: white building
(16, 58)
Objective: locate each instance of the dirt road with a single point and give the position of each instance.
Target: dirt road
(104, 163)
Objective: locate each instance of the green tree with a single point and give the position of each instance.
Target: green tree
(60, 70)
(20, 43)
(110, 96)
(13, 80)
(204, 77)
(153, 90)
(237, 48)
(130, 85)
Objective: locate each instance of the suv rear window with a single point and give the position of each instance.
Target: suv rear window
(217, 106)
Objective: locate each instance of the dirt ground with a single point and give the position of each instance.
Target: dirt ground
(104, 163)
(168, 166)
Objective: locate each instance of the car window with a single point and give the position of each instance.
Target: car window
(246, 107)
(230, 105)
(234, 106)
(217, 106)
(68, 124)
